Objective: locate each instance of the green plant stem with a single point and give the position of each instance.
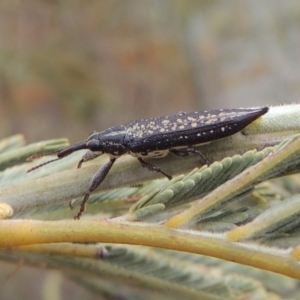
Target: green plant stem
(16, 233)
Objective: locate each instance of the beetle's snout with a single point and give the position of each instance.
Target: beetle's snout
(71, 149)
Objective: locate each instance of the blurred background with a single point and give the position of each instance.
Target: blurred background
(70, 67)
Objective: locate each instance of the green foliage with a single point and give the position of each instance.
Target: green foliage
(238, 208)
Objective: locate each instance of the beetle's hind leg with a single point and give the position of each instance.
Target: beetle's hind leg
(189, 151)
(153, 168)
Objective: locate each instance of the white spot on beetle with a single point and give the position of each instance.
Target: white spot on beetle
(115, 133)
(191, 119)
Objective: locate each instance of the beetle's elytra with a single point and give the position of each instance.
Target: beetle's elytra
(156, 137)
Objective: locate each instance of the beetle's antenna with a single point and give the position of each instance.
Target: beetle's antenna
(35, 156)
(60, 154)
(43, 164)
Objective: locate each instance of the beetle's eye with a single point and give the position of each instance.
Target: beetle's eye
(94, 145)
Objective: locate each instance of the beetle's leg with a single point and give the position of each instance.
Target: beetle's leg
(189, 151)
(96, 181)
(153, 168)
(89, 155)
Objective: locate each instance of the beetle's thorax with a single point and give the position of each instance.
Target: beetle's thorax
(110, 141)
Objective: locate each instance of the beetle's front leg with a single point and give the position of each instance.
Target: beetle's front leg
(96, 181)
(89, 155)
(153, 168)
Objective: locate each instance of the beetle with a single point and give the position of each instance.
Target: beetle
(156, 137)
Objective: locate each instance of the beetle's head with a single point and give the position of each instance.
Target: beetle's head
(90, 144)
(94, 145)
